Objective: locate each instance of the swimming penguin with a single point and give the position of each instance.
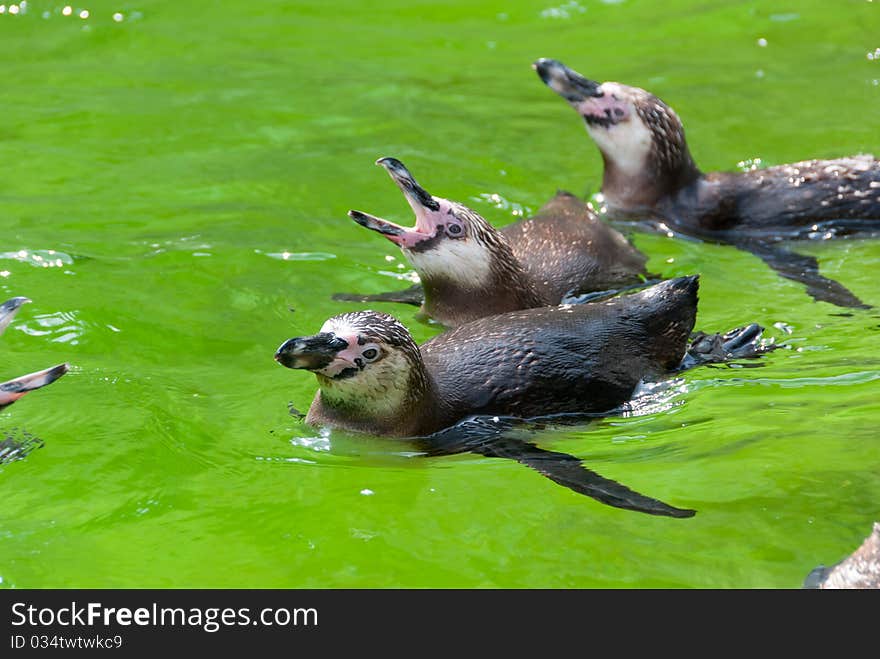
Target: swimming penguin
(569, 359)
(12, 390)
(468, 269)
(649, 174)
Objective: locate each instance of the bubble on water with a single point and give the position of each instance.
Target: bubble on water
(40, 258)
(762, 42)
(319, 443)
(118, 17)
(367, 492)
(749, 164)
(67, 10)
(501, 203)
(564, 11)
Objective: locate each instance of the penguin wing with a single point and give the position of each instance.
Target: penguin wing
(804, 270)
(486, 437)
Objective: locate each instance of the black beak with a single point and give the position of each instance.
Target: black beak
(8, 310)
(406, 182)
(310, 352)
(571, 85)
(376, 224)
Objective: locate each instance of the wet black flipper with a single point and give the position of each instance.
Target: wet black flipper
(740, 343)
(412, 295)
(804, 269)
(484, 436)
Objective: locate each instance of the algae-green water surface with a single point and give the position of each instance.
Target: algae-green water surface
(175, 180)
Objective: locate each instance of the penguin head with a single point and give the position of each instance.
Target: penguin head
(449, 240)
(636, 132)
(365, 361)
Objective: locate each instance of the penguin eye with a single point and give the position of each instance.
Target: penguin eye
(370, 354)
(455, 230)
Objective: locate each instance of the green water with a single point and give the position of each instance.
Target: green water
(191, 166)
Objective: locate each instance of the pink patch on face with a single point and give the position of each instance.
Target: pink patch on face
(353, 350)
(410, 238)
(344, 358)
(603, 107)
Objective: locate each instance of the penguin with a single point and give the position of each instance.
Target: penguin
(469, 269)
(584, 359)
(649, 176)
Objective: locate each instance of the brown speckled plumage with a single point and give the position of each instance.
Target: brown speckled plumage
(565, 249)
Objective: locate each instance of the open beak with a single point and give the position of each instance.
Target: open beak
(403, 237)
(423, 204)
(416, 195)
(12, 390)
(571, 85)
(312, 353)
(8, 310)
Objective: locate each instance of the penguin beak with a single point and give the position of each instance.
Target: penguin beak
(12, 390)
(8, 310)
(416, 195)
(403, 237)
(424, 206)
(312, 353)
(571, 85)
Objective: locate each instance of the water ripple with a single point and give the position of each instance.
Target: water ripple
(62, 326)
(844, 380)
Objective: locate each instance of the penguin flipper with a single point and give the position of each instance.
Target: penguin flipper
(804, 269)
(412, 295)
(482, 437)
(567, 470)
